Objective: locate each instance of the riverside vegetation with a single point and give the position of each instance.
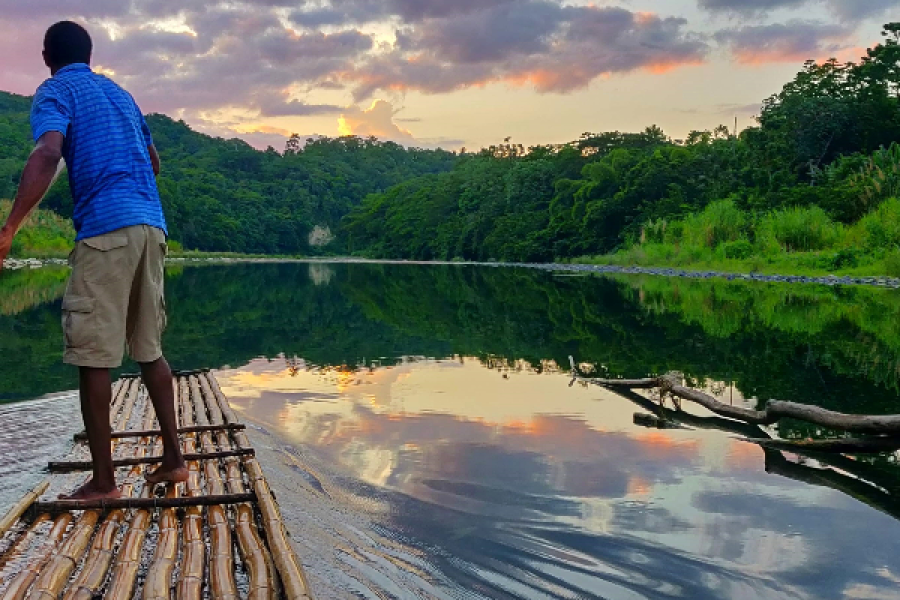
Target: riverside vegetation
(812, 187)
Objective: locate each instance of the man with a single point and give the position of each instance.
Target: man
(115, 293)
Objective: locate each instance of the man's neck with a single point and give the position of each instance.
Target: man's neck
(56, 69)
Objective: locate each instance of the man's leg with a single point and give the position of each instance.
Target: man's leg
(96, 396)
(158, 379)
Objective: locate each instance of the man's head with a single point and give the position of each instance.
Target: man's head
(66, 43)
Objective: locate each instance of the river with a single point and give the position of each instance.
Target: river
(422, 432)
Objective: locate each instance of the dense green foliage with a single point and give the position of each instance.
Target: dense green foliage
(45, 233)
(824, 152)
(225, 196)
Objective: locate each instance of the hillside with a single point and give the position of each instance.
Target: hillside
(810, 179)
(224, 195)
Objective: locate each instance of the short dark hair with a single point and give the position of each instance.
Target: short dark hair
(66, 43)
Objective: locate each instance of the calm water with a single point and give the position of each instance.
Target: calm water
(420, 428)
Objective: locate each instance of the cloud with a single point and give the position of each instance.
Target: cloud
(344, 12)
(377, 120)
(749, 6)
(794, 41)
(552, 47)
(852, 10)
(861, 9)
(279, 107)
(252, 63)
(258, 59)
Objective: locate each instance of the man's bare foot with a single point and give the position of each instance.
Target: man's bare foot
(164, 474)
(90, 491)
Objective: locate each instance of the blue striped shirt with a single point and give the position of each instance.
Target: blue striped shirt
(106, 150)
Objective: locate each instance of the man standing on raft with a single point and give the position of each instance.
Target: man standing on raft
(115, 293)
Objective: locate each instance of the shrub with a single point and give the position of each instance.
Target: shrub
(879, 178)
(654, 231)
(799, 229)
(846, 258)
(739, 250)
(892, 263)
(721, 221)
(880, 228)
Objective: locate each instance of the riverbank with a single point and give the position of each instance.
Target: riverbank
(576, 268)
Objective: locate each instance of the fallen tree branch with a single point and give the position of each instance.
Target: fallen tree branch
(775, 409)
(845, 445)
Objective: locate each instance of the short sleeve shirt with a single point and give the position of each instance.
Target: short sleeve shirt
(106, 150)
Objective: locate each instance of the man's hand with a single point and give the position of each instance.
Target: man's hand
(6, 240)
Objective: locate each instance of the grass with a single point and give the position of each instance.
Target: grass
(43, 235)
(791, 241)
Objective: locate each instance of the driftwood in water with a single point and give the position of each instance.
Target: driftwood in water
(843, 445)
(775, 409)
(867, 483)
(655, 422)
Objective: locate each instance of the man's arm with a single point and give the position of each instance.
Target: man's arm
(154, 158)
(37, 177)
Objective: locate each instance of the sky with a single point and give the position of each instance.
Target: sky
(447, 73)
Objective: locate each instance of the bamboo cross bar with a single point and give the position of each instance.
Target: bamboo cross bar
(86, 465)
(82, 435)
(126, 503)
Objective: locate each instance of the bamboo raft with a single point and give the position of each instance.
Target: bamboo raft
(219, 535)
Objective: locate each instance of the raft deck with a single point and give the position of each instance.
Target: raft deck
(219, 535)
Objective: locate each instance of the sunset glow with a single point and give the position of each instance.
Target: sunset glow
(431, 74)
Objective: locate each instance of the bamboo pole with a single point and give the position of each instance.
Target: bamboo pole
(221, 565)
(157, 584)
(23, 580)
(193, 561)
(21, 545)
(12, 515)
(200, 415)
(93, 574)
(258, 561)
(128, 559)
(293, 579)
(260, 567)
(54, 576)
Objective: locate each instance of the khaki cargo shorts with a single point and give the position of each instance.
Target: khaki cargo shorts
(115, 298)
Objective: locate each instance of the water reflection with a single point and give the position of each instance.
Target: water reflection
(520, 486)
(488, 476)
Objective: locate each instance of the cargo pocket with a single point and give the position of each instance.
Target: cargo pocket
(104, 258)
(77, 320)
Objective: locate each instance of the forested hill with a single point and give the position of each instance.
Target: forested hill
(813, 175)
(224, 195)
(819, 173)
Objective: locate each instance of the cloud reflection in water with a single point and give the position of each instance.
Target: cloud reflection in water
(514, 485)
